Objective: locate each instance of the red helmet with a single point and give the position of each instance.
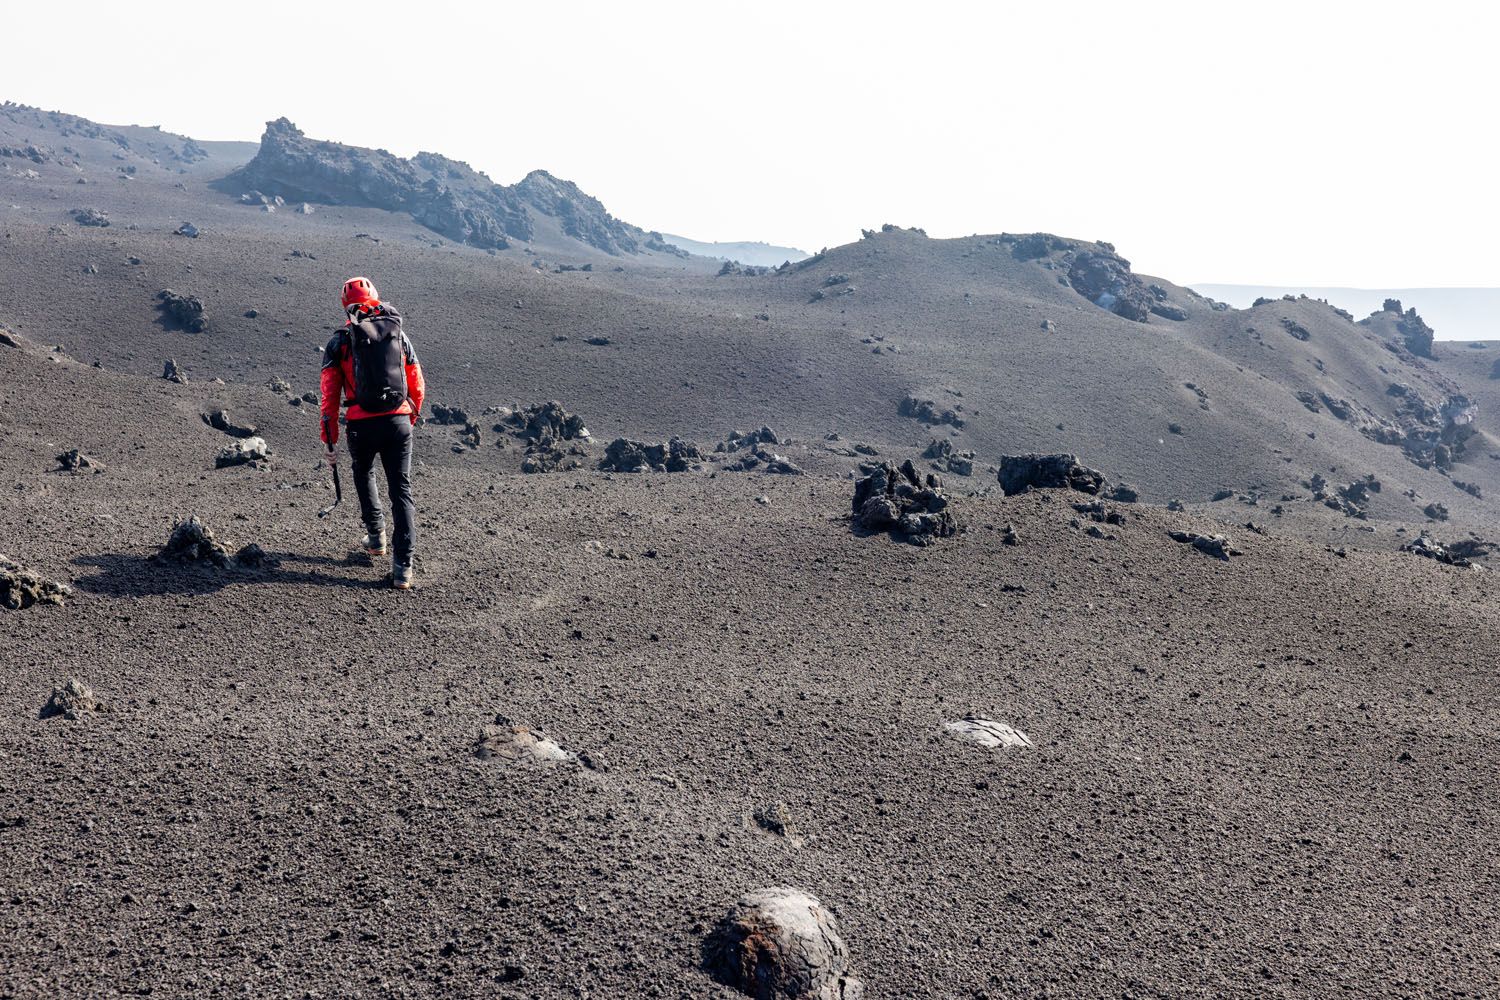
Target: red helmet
(360, 292)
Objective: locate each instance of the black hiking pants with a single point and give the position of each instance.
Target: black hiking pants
(389, 439)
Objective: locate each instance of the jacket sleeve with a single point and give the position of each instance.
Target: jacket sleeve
(331, 394)
(416, 385)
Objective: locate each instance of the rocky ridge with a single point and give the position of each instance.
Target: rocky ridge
(445, 195)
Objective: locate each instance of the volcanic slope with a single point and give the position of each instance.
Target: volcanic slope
(1274, 775)
(989, 328)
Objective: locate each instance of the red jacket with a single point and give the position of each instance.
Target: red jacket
(338, 383)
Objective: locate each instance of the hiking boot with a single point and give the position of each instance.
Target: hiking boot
(401, 575)
(373, 542)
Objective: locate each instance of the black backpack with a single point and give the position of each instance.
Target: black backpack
(377, 346)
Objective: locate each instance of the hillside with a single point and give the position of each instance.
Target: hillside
(1253, 765)
(990, 327)
(444, 195)
(1462, 314)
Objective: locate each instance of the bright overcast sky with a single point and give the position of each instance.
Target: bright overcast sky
(1276, 143)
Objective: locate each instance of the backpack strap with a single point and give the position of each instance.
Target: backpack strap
(338, 344)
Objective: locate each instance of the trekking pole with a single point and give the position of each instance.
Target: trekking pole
(338, 486)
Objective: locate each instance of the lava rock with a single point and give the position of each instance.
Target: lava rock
(187, 229)
(750, 439)
(76, 461)
(1097, 512)
(1359, 491)
(1037, 245)
(547, 456)
(1104, 278)
(774, 817)
(898, 500)
(1436, 511)
(172, 373)
(1217, 546)
(184, 311)
(510, 741)
(781, 944)
(252, 556)
(624, 455)
(1458, 411)
(988, 733)
(252, 451)
(543, 421)
(72, 701)
(21, 587)
(34, 153)
(90, 217)
(1338, 406)
(1295, 329)
(219, 420)
(1473, 489)
(1350, 500)
(192, 541)
(761, 460)
(1021, 473)
(546, 428)
(735, 268)
(1416, 335)
(929, 412)
(440, 414)
(945, 458)
(1461, 554)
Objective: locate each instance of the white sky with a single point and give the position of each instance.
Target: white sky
(1275, 143)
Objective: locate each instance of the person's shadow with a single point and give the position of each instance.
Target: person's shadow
(129, 575)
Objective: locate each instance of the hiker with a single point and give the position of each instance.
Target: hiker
(369, 367)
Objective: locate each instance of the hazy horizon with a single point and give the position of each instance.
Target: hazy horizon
(798, 127)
